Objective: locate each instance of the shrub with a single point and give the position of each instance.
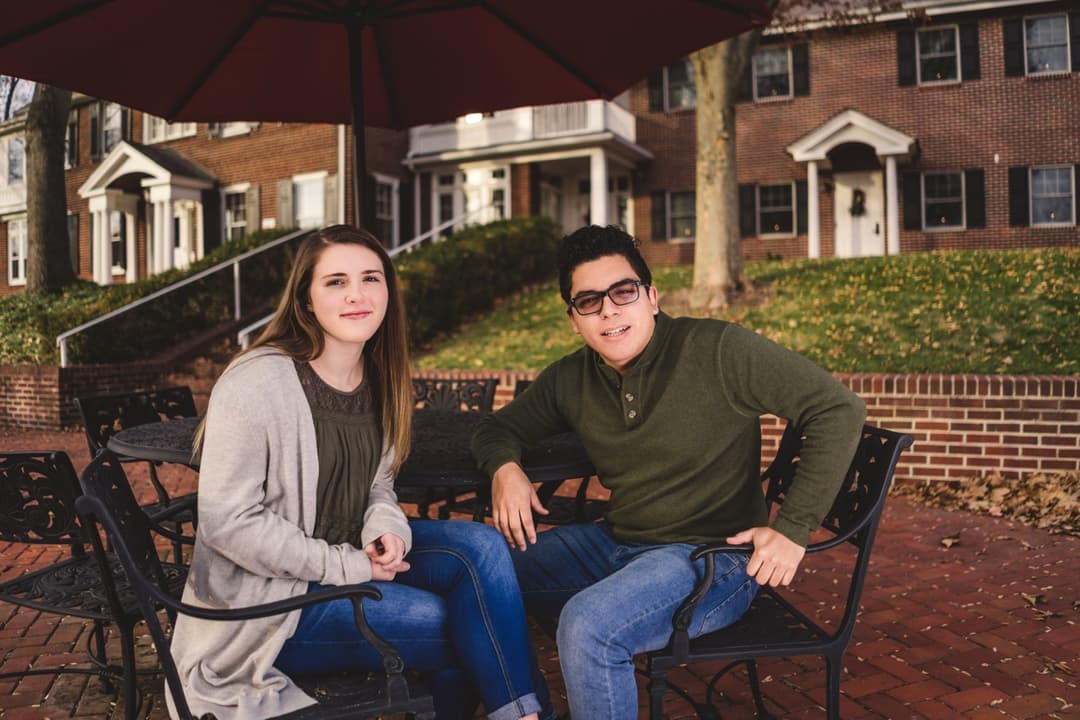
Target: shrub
(442, 284)
(446, 282)
(31, 322)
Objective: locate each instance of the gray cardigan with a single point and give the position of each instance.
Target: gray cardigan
(257, 483)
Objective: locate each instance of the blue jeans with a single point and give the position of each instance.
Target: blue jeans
(457, 612)
(615, 600)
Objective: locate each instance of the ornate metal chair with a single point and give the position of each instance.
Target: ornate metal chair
(38, 491)
(450, 395)
(774, 625)
(105, 415)
(562, 510)
(108, 504)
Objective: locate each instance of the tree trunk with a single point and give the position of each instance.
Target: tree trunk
(48, 263)
(718, 255)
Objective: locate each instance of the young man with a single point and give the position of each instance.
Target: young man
(668, 410)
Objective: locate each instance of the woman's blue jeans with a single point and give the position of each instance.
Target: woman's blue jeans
(615, 600)
(457, 611)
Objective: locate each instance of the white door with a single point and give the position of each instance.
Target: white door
(860, 213)
(185, 231)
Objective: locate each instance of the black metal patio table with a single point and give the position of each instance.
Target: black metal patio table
(440, 455)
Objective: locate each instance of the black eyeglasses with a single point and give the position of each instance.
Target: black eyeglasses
(623, 292)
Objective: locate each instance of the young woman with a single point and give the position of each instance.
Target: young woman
(302, 440)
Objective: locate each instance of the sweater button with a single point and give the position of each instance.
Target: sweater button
(629, 397)
(632, 414)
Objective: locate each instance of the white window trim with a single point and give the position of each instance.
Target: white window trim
(1031, 196)
(794, 211)
(12, 280)
(118, 270)
(234, 189)
(67, 124)
(963, 202)
(666, 93)
(681, 240)
(7, 161)
(918, 56)
(791, 78)
(235, 128)
(182, 129)
(395, 205)
(307, 177)
(1068, 46)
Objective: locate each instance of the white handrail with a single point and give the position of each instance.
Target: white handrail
(243, 337)
(62, 338)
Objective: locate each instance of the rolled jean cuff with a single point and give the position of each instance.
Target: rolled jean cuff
(518, 708)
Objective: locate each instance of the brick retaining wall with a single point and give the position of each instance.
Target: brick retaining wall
(964, 425)
(43, 397)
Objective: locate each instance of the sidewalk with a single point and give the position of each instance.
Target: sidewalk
(986, 628)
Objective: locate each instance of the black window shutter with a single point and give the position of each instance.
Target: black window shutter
(212, 219)
(1013, 31)
(656, 91)
(802, 207)
(912, 201)
(406, 219)
(1019, 213)
(1074, 39)
(747, 210)
(659, 215)
(95, 131)
(73, 240)
(125, 124)
(905, 58)
(745, 91)
(975, 198)
(800, 59)
(969, 51)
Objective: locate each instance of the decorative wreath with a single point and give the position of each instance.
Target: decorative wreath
(858, 203)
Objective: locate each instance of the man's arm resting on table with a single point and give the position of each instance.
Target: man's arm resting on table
(513, 500)
(775, 558)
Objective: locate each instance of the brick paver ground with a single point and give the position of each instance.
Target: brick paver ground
(986, 628)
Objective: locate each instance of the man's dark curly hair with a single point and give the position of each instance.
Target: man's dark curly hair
(592, 242)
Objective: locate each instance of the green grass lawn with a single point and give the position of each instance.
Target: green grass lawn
(1001, 312)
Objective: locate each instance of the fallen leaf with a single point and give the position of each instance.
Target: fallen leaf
(950, 540)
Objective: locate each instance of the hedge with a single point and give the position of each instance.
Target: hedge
(442, 284)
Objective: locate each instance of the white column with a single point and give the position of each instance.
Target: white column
(155, 237)
(813, 220)
(892, 208)
(103, 248)
(168, 256)
(598, 194)
(129, 231)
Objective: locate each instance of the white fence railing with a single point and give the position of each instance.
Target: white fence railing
(243, 337)
(234, 263)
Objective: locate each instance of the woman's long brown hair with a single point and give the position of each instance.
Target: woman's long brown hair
(295, 331)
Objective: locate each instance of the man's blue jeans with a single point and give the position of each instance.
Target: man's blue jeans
(615, 600)
(457, 611)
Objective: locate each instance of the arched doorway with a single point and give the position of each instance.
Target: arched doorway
(858, 200)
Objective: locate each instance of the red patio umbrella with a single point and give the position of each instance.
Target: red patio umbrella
(385, 63)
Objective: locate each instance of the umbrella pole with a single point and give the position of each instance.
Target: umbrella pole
(359, 156)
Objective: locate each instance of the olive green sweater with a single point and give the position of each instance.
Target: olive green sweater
(677, 438)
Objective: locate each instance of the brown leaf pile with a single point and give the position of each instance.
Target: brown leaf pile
(1046, 501)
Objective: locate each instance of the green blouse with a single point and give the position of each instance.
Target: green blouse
(349, 442)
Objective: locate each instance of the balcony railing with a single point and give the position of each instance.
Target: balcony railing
(523, 125)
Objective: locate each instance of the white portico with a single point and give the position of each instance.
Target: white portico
(170, 187)
(851, 146)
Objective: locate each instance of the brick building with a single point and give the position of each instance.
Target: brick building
(950, 124)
